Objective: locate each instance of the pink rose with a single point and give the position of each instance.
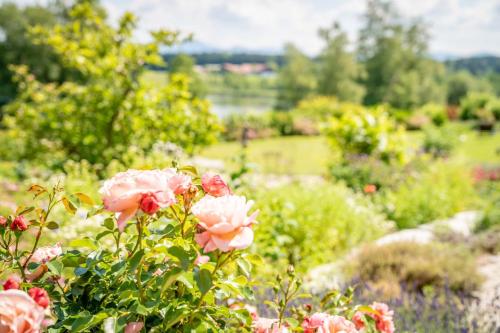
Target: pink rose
(19, 224)
(214, 185)
(266, 325)
(134, 327)
(40, 296)
(3, 221)
(200, 260)
(149, 204)
(224, 222)
(179, 183)
(325, 323)
(124, 192)
(45, 254)
(383, 318)
(19, 313)
(11, 283)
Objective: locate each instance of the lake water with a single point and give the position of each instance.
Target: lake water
(224, 105)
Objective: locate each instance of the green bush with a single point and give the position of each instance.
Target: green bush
(414, 265)
(435, 112)
(440, 192)
(369, 132)
(473, 102)
(97, 117)
(439, 141)
(311, 225)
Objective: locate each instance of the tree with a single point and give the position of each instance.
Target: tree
(184, 64)
(460, 84)
(338, 70)
(296, 78)
(16, 46)
(395, 59)
(98, 117)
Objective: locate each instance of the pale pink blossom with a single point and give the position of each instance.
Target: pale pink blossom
(325, 323)
(214, 185)
(179, 182)
(19, 313)
(267, 325)
(225, 223)
(200, 260)
(134, 327)
(45, 254)
(382, 315)
(124, 192)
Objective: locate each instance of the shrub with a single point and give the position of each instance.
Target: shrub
(439, 141)
(109, 107)
(164, 259)
(440, 192)
(436, 113)
(369, 132)
(473, 102)
(414, 265)
(307, 226)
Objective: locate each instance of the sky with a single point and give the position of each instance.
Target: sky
(457, 27)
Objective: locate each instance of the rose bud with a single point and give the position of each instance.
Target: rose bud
(40, 296)
(149, 204)
(19, 224)
(3, 221)
(11, 283)
(214, 185)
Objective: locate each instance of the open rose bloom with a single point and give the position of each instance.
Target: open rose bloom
(325, 323)
(383, 317)
(225, 223)
(124, 192)
(19, 313)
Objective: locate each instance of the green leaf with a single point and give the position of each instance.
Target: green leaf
(245, 266)
(203, 280)
(84, 242)
(182, 255)
(109, 223)
(189, 169)
(55, 267)
(52, 225)
(85, 198)
(70, 207)
(79, 271)
(24, 210)
(135, 260)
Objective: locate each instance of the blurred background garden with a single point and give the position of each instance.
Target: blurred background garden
(365, 131)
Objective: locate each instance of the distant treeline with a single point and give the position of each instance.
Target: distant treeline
(233, 58)
(476, 65)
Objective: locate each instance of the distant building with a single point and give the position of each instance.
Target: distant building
(242, 69)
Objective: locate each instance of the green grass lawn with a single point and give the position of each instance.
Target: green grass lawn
(283, 155)
(310, 155)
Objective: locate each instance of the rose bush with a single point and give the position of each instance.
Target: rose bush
(169, 258)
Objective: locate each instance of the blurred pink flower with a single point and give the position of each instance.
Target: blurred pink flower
(224, 222)
(12, 283)
(325, 323)
(214, 185)
(179, 182)
(200, 260)
(40, 296)
(19, 313)
(45, 254)
(124, 192)
(19, 224)
(383, 317)
(266, 325)
(134, 327)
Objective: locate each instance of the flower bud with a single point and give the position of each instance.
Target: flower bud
(149, 204)
(11, 283)
(19, 224)
(3, 221)
(40, 296)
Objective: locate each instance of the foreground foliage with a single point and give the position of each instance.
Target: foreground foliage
(170, 259)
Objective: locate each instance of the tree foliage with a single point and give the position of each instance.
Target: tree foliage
(296, 77)
(338, 70)
(109, 108)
